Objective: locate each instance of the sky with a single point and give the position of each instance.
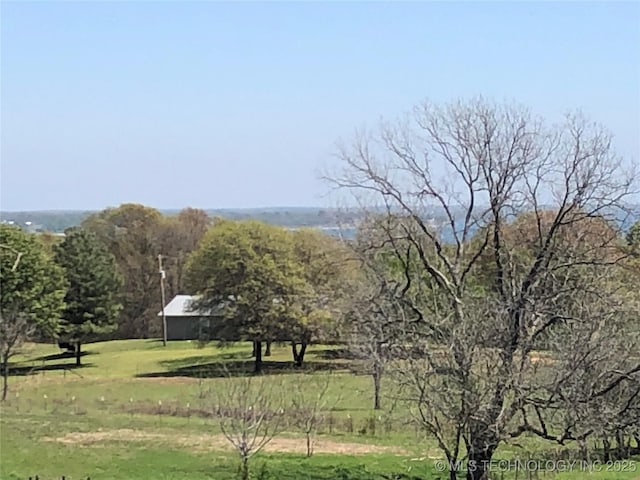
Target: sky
(236, 105)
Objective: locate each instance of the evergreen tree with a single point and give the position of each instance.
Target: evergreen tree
(92, 304)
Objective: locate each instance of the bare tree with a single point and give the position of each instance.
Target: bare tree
(370, 325)
(309, 401)
(593, 389)
(179, 236)
(12, 336)
(456, 179)
(250, 414)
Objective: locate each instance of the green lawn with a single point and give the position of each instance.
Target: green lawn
(138, 410)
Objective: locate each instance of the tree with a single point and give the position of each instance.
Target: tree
(33, 290)
(49, 241)
(586, 383)
(371, 321)
(131, 234)
(248, 272)
(308, 401)
(180, 235)
(92, 299)
(329, 268)
(633, 237)
(373, 316)
(471, 168)
(250, 414)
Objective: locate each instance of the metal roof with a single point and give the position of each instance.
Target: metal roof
(180, 306)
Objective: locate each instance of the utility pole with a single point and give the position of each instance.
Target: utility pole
(164, 319)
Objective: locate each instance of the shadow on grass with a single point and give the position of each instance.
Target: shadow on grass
(24, 370)
(59, 356)
(336, 354)
(203, 360)
(244, 356)
(222, 369)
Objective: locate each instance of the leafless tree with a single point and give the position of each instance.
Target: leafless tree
(178, 236)
(250, 414)
(309, 402)
(12, 335)
(371, 321)
(459, 181)
(593, 389)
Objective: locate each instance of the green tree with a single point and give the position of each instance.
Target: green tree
(92, 304)
(329, 268)
(33, 290)
(249, 272)
(131, 233)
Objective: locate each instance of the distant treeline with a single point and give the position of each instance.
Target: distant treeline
(332, 220)
(58, 221)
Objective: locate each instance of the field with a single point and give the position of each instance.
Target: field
(138, 410)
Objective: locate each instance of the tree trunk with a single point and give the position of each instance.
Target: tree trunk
(584, 451)
(298, 356)
(479, 461)
(253, 352)
(621, 451)
(258, 362)
(303, 349)
(606, 450)
(5, 378)
(453, 474)
(145, 327)
(377, 375)
(78, 344)
(244, 470)
(267, 350)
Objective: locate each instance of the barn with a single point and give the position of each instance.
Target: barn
(186, 323)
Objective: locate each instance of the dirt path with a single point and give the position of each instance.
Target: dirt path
(204, 442)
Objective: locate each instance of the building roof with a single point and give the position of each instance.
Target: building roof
(181, 306)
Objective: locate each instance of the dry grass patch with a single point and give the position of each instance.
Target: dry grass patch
(206, 442)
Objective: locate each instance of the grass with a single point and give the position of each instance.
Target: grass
(132, 412)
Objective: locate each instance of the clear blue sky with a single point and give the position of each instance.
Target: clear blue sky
(238, 105)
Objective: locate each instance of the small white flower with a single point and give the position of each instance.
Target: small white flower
(44, 396)
(130, 399)
(73, 398)
(160, 402)
(102, 399)
(188, 405)
(17, 394)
